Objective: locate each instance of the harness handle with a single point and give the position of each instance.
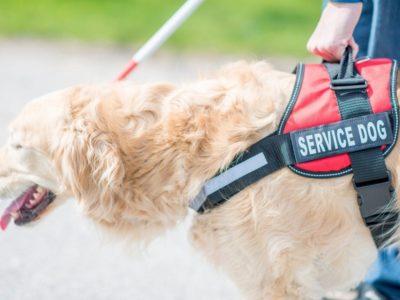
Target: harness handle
(347, 77)
(346, 69)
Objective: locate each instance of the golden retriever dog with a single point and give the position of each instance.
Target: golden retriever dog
(134, 156)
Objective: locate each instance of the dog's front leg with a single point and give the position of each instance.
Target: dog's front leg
(261, 271)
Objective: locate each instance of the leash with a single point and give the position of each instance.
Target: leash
(169, 27)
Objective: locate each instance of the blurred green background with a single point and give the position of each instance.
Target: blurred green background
(274, 27)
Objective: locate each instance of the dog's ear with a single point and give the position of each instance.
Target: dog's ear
(90, 163)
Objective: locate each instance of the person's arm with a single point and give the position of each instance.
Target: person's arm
(335, 28)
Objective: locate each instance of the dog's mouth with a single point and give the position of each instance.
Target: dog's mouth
(27, 207)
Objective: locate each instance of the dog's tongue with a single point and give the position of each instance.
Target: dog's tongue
(14, 207)
(4, 221)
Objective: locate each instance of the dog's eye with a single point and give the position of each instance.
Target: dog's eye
(17, 146)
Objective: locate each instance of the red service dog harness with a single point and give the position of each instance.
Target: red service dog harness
(341, 118)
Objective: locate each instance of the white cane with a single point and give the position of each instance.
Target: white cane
(161, 36)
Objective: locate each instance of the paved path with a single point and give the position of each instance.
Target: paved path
(64, 257)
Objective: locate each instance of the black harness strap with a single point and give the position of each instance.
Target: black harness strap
(279, 150)
(371, 179)
(261, 159)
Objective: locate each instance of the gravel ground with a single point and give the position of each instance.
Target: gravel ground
(64, 257)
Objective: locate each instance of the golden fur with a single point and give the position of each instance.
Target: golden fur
(134, 156)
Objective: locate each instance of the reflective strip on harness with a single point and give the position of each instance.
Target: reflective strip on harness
(276, 151)
(340, 118)
(229, 176)
(349, 135)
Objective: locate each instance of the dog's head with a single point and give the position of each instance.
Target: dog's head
(88, 144)
(54, 153)
(27, 171)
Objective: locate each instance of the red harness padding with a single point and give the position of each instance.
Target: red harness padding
(307, 112)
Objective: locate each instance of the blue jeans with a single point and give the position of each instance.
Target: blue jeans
(378, 31)
(384, 275)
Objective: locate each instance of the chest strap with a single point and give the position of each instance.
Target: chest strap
(261, 159)
(371, 180)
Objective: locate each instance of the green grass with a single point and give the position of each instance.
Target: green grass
(239, 26)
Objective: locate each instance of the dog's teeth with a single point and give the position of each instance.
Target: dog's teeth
(14, 215)
(39, 189)
(35, 195)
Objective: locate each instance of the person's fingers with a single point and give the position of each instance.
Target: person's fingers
(315, 47)
(311, 46)
(331, 52)
(354, 45)
(337, 49)
(326, 55)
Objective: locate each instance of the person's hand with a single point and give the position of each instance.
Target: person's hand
(334, 31)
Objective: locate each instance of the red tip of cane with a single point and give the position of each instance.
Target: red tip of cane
(132, 64)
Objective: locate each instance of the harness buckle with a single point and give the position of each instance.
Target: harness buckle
(374, 197)
(355, 83)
